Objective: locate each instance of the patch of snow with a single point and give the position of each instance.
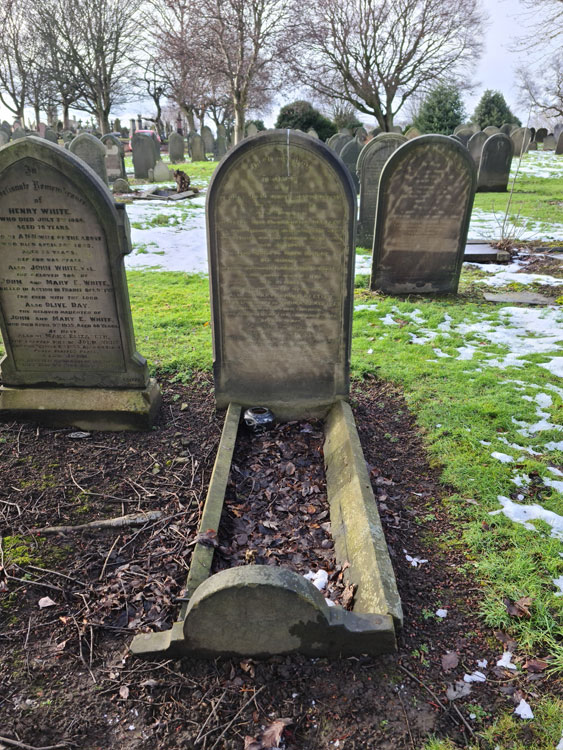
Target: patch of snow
(482, 663)
(555, 366)
(365, 307)
(523, 710)
(446, 325)
(521, 480)
(441, 613)
(558, 582)
(466, 352)
(387, 320)
(474, 677)
(484, 442)
(370, 351)
(440, 353)
(504, 458)
(557, 486)
(414, 561)
(505, 661)
(553, 470)
(318, 578)
(523, 514)
(560, 744)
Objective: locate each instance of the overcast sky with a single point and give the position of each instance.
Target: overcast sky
(495, 70)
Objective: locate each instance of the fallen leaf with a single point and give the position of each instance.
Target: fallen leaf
(46, 601)
(450, 660)
(124, 692)
(348, 596)
(251, 743)
(248, 667)
(519, 608)
(271, 736)
(208, 538)
(536, 665)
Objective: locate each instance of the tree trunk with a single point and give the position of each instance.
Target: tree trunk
(66, 116)
(239, 121)
(37, 116)
(189, 114)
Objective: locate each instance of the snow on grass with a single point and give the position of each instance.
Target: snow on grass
(524, 514)
(523, 710)
(488, 225)
(505, 661)
(559, 583)
(502, 457)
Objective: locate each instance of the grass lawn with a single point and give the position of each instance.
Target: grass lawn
(472, 374)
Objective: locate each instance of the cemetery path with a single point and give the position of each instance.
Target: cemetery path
(68, 610)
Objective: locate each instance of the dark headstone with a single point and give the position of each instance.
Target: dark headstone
(494, 168)
(144, 155)
(340, 141)
(197, 145)
(208, 139)
(6, 127)
(533, 146)
(92, 151)
(424, 207)
(559, 147)
(507, 128)
(4, 137)
(369, 165)
(475, 146)
(220, 147)
(50, 135)
(64, 307)
(222, 130)
(520, 138)
(176, 148)
(114, 156)
(540, 135)
(18, 133)
(349, 156)
(280, 213)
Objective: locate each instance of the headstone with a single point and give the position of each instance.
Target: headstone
(64, 308)
(220, 147)
(459, 127)
(41, 128)
(341, 140)
(533, 132)
(349, 156)
(369, 165)
(280, 215)
(475, 146)
(91, 150)
(540, 135)
(50, 135)
(6, 127)
(67, 136)
(491, 130)
(412, 132)
(222, 130)
(376, 131)
(424, 207)
(361, 135)
(4, 137)
(332, 140)
(507, 128)
(121, 186)
(313, 133)
(176, 148)
(520, 138)
(251, 129)
(533, 146)
(144, 155)
(18, 133)
(396, 129)
(549, 142)
(494, 168)
(208, 139)
(557, 130)
(559, 147)
(161, 173)
(114, 156)
(464, 134)
(197, 147)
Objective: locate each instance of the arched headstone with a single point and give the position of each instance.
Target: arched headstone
(491, 130)
(208, 139)
(50, 135)
(220, 147)
(424, 207)
(559, 147)
(280, 226)
(144, 155)
(507, 128)
(65, 316)
(176, 148)
(4, 137)
(549, 142)
(197, 146)
(369, 165)
(541, 133)
(349, 156)
(251, 129)
(533, 146)
(475, 146)
(340, 141)
(520, 138)
(412, 132)
(114, 157)
(92, 151)
(313, 133)
(494, 168)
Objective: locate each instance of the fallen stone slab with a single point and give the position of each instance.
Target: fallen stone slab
(520, 298)
(483, 252)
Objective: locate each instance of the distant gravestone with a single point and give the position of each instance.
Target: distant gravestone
(520, 138)
(396, 129)
(161, 173)
(412, 133)
(459, 127)
(559, 147)
(424, 207)
(549, 143)
(557, 130)
(220, 147)
(144, 155)
(121, 186)
(67, 136)
(369, 166)
(4, 137)
(4, 125)
(494, 168)
(197, 147)
(64, 308)
(251, 129)
(361, 135)
(41, 128)
(541, 133)
(533, 146)
(50, 135)
(222, 130)
(18, 133)
(349, 156)
(507, 128)
(475, 146)
(92, 151)
(208, 139)
(464, 134)
(313, 133)
(341, 140)
(287, 186)
(332, 140)
(491, 130)
(114, 157)
(176, 148)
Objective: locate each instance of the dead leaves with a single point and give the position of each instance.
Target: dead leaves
(450, 660)
(270, 737)
(521, 608)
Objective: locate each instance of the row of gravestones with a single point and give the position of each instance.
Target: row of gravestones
(524, 139)
(64, 311)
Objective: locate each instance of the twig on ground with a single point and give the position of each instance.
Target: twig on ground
(56, 573)
(95, 494)
(235, 717)
(24, 746)
(106, 523)
(212, 713)
(107, 557)
(406, 719)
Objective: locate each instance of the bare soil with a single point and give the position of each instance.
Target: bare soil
(67, 678)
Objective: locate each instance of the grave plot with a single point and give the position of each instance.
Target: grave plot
(281, 251)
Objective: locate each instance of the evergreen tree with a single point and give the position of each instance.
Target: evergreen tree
(493, 110)
(302, 115)
(441, 111)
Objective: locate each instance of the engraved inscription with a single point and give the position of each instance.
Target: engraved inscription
(56, 294)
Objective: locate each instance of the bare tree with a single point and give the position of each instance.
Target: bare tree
(377, 54)
(97, 42)
(19, 55)
(543, 94)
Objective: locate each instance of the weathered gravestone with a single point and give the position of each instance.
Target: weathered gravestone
(220, 147)
(349, 156)
(281, 213)
(557, 130)
(313, 133)
(6, 127)
(340, 140)
(161, 172)
(251, 129)
(464, 134)
(491, 130)
(64, 307)
(494, 168)
(176, 148)
(4, 137)
(222, 130)
(208, 139)
(361, 135)
(549, 142)
(369, 165)
(114, 157)
(50, 135)
(520, 138)
(67, 136)
(92, 151)
(475, 146)
(412, 132)
(559, 147)
(533, 146)
(541, 133)
(18, 133)
(424, 206)
(197, 145)
(144, 155)
(507, 128)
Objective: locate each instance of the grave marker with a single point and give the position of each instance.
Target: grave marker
(520, 138)
(208, 139)
(349, 156)
(4, 137)
(491, 130)
(559, 147)
(176, 148)
(475, 146)
(144, 155)
(51, 135)
(369, 165)
(64, 307)
(92, 151)
(549, 143)
(424, 207)
(197, 145)
(494, 168)
(114, 157)
(541, 133)
(251, 129)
